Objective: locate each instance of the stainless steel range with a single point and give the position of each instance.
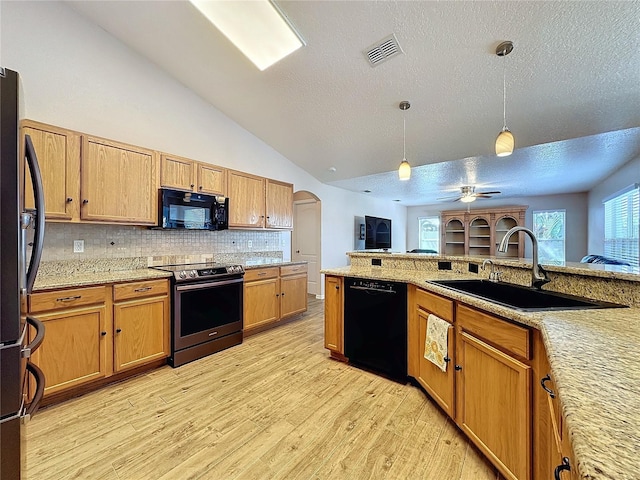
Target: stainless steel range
(207, 312)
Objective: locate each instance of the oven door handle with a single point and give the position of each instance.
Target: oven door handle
(200, 285)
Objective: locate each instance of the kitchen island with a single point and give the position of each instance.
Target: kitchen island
(592, 353)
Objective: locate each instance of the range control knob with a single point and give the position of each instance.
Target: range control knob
(193, 273)
(182, 274)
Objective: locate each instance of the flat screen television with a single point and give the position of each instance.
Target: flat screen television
(377, 233)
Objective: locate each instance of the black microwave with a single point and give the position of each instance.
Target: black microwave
(192, 211)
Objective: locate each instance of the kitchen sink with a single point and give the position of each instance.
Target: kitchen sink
(521, 298)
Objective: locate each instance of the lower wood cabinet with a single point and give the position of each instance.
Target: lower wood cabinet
(439, 384)
(493, 406)
(141, 329)
(94, 332)
(272, 294)
(75, 350)
(334, 315)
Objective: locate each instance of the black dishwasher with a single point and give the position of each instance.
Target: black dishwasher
(375, 326)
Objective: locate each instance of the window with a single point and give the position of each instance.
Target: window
(429, 233)
(621, 225)
(549, 228)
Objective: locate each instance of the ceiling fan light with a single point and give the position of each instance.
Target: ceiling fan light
(505, 143)
(404, 171)
(468, 199)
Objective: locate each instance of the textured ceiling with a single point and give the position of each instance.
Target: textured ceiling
(574, 74)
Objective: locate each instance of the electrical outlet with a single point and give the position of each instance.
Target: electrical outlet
(249, 244)
(78, 246)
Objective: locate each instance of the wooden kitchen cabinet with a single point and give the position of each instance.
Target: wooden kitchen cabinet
(279, 204)
(479, 232)
(493, 389)
(272, 294)
(334, 315)
(119, 183)
(547, 421)
(257, 202)
(189, 175)
(246, 200)
(76, 347)
(141, 323)
(95, 332)
(261, 297)
(438, 384)
(293, 290)
(58, 152)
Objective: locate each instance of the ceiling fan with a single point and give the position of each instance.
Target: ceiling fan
(468, 194)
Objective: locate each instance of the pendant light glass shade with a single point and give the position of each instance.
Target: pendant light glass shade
(504, 143)
(404, 170)
(468, 199)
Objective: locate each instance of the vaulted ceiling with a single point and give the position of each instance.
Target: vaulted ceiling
(572, 83)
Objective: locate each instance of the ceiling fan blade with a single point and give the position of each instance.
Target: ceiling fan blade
(487, 193)
(481, 195)
(449, 199)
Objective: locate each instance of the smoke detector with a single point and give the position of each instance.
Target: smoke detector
(383, 50)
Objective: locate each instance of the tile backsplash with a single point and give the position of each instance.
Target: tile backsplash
(115, 241)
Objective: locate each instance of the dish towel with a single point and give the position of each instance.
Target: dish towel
(435, 344)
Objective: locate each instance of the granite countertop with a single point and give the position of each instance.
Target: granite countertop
(80, 279)
(594, 362)
(101, 272)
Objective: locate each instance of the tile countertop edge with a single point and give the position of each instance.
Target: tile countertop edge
(597, 354)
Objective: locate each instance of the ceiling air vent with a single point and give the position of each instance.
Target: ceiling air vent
(383, 50)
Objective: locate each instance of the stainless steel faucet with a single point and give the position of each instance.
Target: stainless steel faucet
(538, 275)
(493, 276)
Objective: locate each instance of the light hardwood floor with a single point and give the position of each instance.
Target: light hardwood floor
(275, 407)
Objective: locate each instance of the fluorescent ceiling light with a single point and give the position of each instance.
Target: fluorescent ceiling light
(257, 27)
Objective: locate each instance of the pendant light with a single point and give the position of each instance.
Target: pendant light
(404, 171)
(505, 141)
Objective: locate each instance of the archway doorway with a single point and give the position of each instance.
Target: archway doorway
(305, 241)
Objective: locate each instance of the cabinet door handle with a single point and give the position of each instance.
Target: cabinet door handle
(560, 468)
(85, 201)
(546, 379)
(277, 294)
(69, 199)
(200, 187)
(447, 359)
(337, 287)
(118, 330)
(192, 185)
(143, 289)
(458, 368)
(103, 333)
(283, 294)
(68, 299)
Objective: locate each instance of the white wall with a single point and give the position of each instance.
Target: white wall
(625, 176)
(77, 76)
(575, 205)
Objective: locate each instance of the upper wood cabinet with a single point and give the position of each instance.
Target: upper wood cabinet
(246, 200)
(184, 174)
(279, 204)
(119, 183)
(479, 232)
(257, 202)
(58, 152)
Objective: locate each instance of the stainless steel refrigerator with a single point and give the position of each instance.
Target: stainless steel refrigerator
(19, 334)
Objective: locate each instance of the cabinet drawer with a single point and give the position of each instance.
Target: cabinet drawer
(59, 299)
(260, 273)
(293, 269)
(509, 337)
(147, 288)
(439, 306)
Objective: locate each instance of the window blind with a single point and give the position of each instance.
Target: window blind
(622, 226)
